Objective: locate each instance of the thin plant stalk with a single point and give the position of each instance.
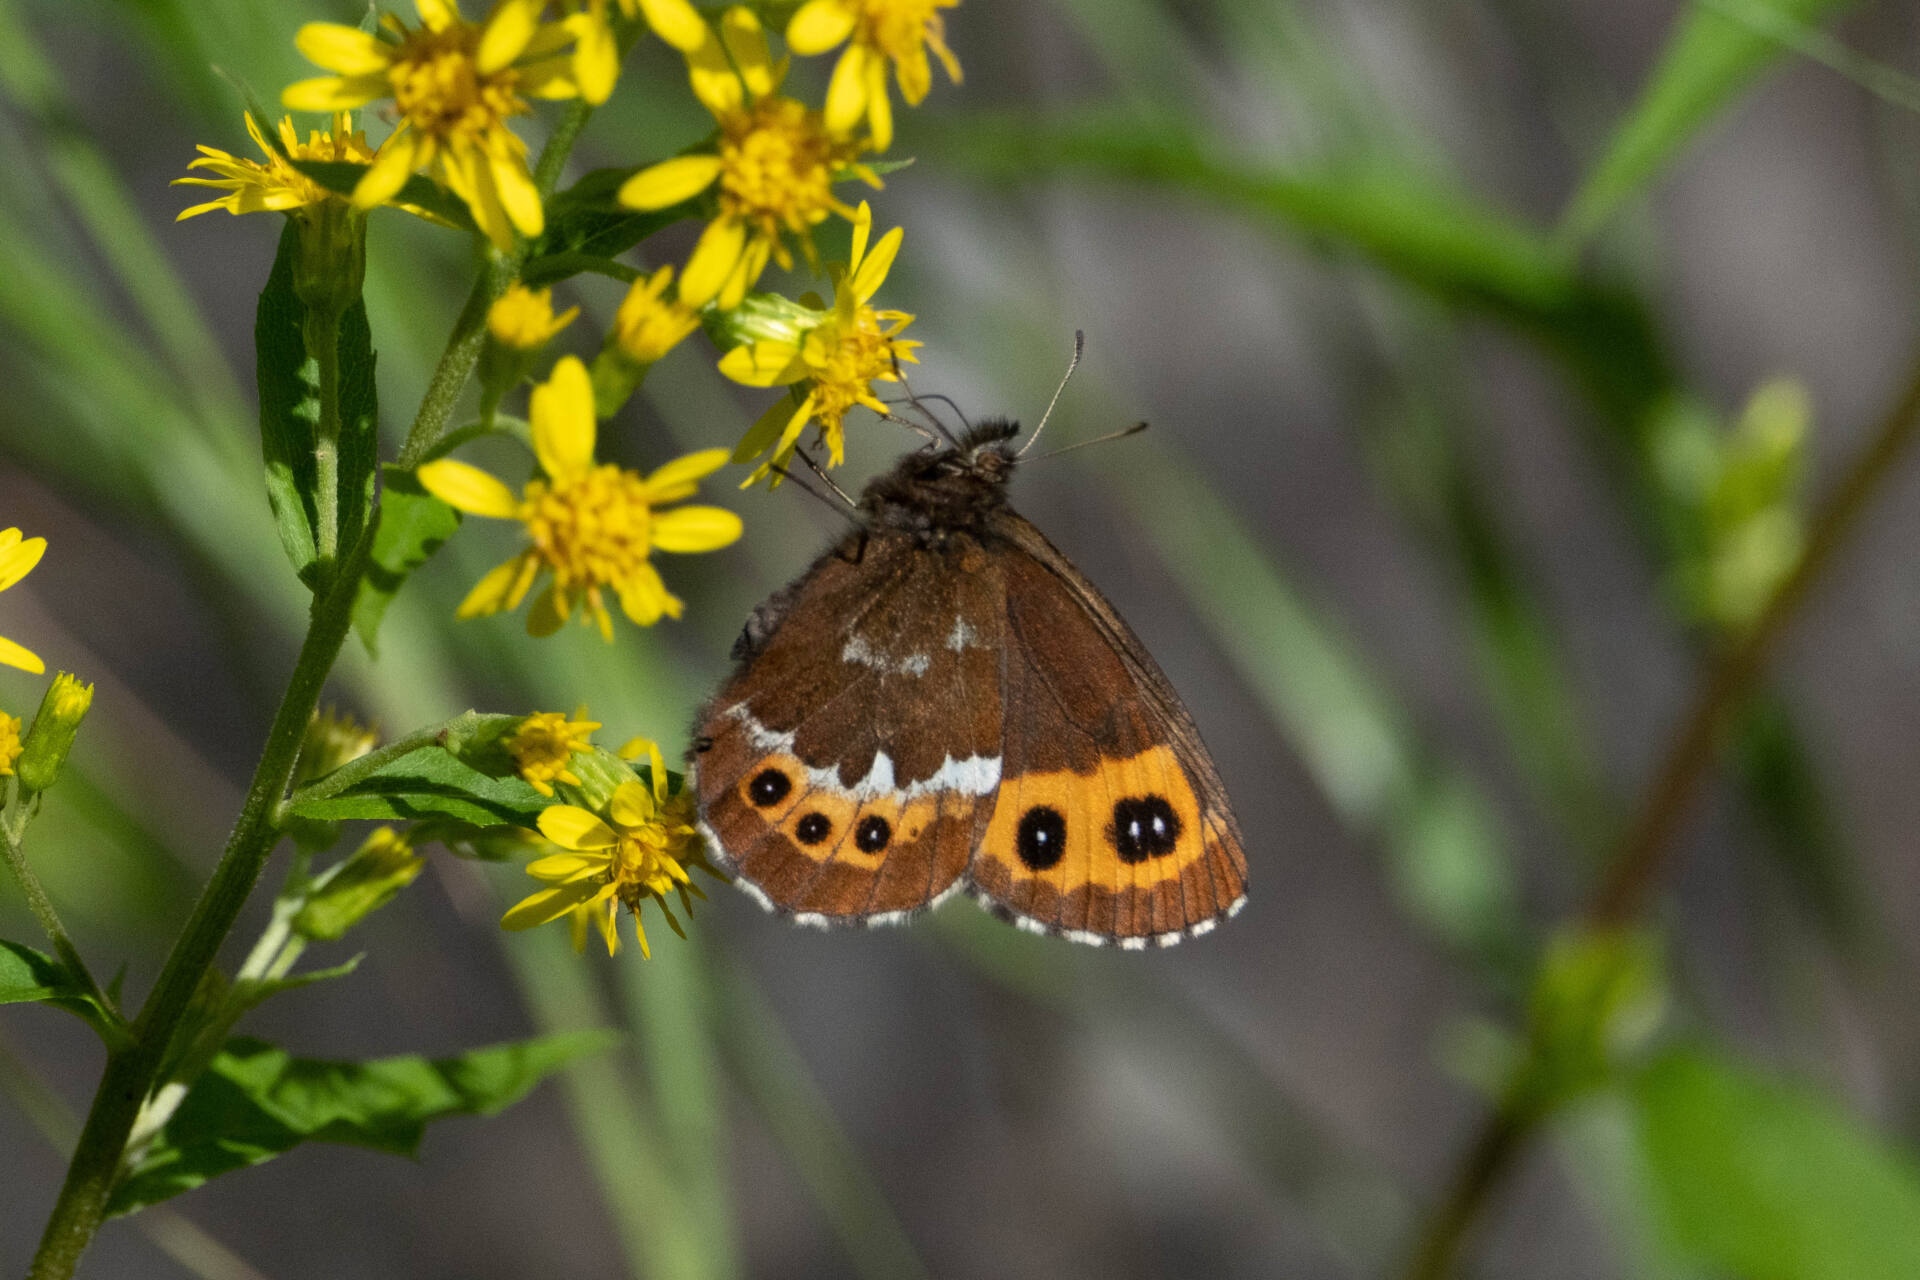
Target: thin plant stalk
(1634, 871)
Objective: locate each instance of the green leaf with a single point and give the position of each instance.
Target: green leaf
(558, 266)
(256, 1101)
(31, 977)
(1708, 60)
(413, 525)
(587, 221)
(342, 176)
(1768, 1180)
(290, 412)
(431, 782)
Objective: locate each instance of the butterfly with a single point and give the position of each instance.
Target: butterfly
(942, 702)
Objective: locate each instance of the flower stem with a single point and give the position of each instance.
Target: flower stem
(371, 763)
(13, 829)
(1634, 870)
(132, 1072)
(470, 328)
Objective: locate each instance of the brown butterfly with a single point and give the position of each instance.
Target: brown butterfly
(943, 702)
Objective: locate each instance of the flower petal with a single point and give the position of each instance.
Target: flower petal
(818, 25)
(631, 806)
(713, 78)
(345, 50)
(17, 558)
(548, 904)
(669, 182)
(764, 364)
(873, 269)
(518, 195)
(563, 422)
(862, 232)
(879, 105)
(389, 172)
(506, 33)
(915, 75)
(713, 262)
(682, 473)
(333, 93)
(572, 827)
(498, 590)
(15, 655)
(765, 430)
(558, 868)
(467, 488)
(746, 41)
(686, 529)
(676, 22)
(645, 599)
(847, 91)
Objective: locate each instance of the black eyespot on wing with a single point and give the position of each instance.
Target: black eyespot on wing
(872, 834)
(813, 828)
(1041, 840)
(769, 787)
(1144, 827)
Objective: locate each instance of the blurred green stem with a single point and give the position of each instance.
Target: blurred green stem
(1634, 870)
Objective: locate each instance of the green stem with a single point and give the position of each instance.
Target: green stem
(132, 1072)
(13, 828)
(1634, 870)
(470, 328)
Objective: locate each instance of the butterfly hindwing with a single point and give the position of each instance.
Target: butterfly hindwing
(1111, 823)
(848, 765)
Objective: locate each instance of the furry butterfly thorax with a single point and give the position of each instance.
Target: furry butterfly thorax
(943, 702)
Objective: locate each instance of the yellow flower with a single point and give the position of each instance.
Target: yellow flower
(9, 743)
(542, 748)
(881, 31)
(640, 850)
(456, 84)
(774, 166)
(839, 359)
(523, 319)
(590, 525)
(277, 186)
(17, 559)
(333, 738)
(648, 326)
(596, 54)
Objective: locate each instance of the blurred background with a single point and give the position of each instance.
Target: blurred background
(1449, 320)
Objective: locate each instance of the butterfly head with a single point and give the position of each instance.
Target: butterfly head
(949, 487)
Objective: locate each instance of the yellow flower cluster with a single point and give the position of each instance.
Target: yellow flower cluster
(456, 88)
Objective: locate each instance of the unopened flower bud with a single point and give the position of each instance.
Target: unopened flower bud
(51, 737)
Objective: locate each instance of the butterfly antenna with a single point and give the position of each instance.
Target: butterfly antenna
(1133, 430)
(845, 513)
(1079, 345)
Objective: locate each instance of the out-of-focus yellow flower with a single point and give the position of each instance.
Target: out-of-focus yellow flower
(592, 526)
(640, 850)
(9, 743)
(648, 324)
(675, 21)
(333, 738)
(276, 186)
(17, 558)
(774, 166)
(877, 32)
(523, 319)
(838, 360)
(596, 54)
(542, 748)
(456, 84)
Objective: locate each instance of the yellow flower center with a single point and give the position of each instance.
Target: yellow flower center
(543, 746)
(777, 167)
(438, 86)
(592, 529)
(641, 863)
(857, 352)
(899, 26)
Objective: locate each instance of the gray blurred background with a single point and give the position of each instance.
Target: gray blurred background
(1278, 1099)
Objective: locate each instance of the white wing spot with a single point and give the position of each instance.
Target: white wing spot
(962, 636)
